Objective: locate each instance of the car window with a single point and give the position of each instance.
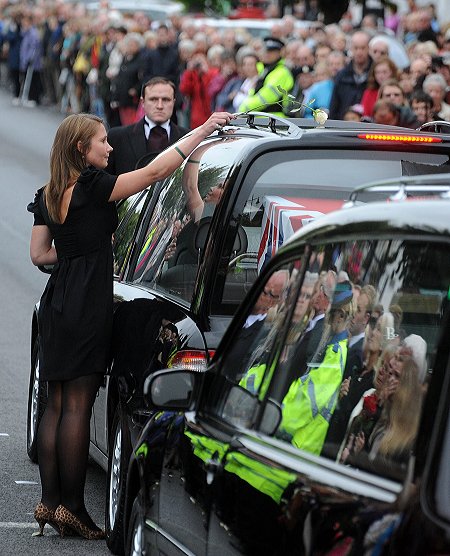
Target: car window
(129, 211)
(176, 233)
(293, 188)
(247, 367)
(348, 353)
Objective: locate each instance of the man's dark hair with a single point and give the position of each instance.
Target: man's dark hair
(421, 96)
(158, 81)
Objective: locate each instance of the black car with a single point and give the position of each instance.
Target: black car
(251, 468)
(187, 251)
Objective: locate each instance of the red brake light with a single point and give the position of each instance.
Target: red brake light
(194, 360)
(403, 138)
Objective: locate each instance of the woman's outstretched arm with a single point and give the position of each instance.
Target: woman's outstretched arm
(168, 161)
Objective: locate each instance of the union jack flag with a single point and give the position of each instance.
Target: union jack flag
(285, 215)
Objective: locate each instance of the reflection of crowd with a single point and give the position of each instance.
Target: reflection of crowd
(59, 54)
(354, 382)
(349, 378)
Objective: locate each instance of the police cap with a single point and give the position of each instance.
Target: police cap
(272, 43)
(342, 295)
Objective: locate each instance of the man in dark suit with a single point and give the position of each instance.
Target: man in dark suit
(137, 144)
(312, 335)
(253, 332)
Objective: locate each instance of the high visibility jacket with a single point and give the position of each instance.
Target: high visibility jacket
(266, 97)
(252, 379)
(311, 399)
(267, 479)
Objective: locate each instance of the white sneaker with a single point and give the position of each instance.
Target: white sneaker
(15, 101)
(29, 103)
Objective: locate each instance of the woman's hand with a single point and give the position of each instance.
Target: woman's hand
(345, 387)
(215, 122)
(348, 448)
(360, 441)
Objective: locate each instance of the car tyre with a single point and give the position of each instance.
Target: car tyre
(135, 537)
(119, 457)
(37, 401)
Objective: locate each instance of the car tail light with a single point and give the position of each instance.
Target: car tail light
(395, 137)
(194, 360)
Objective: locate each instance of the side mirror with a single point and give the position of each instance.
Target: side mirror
(172, 389)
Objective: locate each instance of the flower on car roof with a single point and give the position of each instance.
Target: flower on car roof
(319, 114)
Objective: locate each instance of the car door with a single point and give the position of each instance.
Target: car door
(286, 485)
(130, 213)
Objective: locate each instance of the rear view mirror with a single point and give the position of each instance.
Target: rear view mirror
(171, 389)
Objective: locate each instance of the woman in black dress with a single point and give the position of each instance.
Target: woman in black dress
(74, 219)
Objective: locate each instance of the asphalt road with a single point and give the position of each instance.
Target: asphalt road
(26, 135)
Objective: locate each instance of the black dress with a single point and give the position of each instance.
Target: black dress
(76, 308)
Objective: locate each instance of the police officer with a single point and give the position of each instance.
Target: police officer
(266, 96)
(311, 399)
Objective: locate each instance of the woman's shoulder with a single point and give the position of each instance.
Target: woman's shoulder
(38, 209)
(35, 205)
(96, 183)
(90, 177)
(90, 174)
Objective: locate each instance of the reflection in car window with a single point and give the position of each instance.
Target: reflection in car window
(177, 231)
(294, 188)
(248, 359)
(129, 212)
(353, 371)
(344, 351)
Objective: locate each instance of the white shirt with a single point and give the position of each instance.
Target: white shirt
(251, 319)
(148, 125)
(244, 91)
(312, 323)
(355, 339)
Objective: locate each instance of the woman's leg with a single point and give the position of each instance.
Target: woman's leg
(78, 397)
(46, 446)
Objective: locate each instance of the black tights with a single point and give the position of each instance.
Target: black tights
(63, 443)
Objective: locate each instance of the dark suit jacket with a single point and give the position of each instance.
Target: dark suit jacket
(305, 349)
(354, 363)
(130, 146)
(242, 349)
(358, 385)
(303, 352)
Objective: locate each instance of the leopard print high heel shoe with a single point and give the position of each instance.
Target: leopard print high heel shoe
(44, 515)
(68, 523)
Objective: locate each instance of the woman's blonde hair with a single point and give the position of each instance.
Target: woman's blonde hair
(67, 161)
(403, 412)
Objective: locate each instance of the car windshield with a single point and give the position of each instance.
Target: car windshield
(282, 192)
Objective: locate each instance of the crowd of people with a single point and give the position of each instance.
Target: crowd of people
(58, 54)
(355, 379)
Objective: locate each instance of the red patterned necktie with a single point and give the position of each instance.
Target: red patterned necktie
(157, 139)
